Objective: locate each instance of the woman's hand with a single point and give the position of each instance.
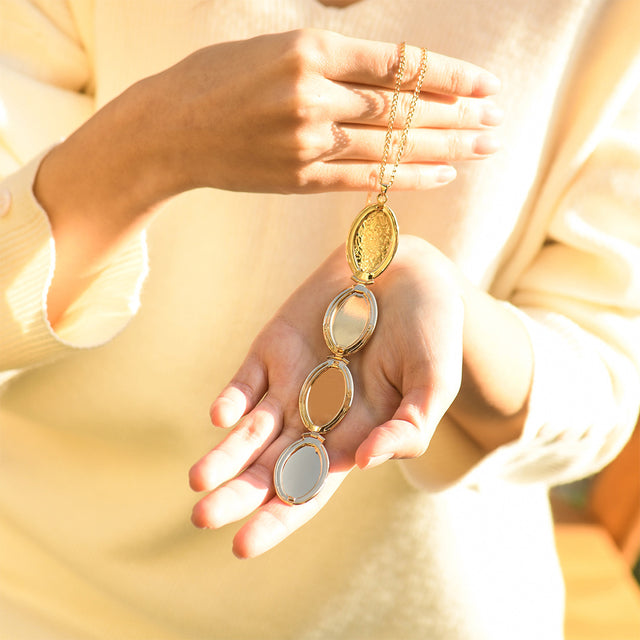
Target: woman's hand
(303, 111)
(307, 111)
(405, 379)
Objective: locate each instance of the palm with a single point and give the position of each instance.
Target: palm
(405, 379)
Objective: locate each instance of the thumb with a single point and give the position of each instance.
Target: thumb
(406, 435)
(433, 384)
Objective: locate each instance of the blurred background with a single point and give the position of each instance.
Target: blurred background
(598, 540)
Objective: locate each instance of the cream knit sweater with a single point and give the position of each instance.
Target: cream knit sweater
(99, 423)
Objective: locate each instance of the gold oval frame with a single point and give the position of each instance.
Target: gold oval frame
(307, 440)
(303, 400)
(337, 303)
(371, 244)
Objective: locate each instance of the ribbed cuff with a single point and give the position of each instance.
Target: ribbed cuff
(27, 262)
(575, 422)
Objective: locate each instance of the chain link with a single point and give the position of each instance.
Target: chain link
(384, 186)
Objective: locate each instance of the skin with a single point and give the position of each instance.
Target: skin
(440, 345)
(311, 120)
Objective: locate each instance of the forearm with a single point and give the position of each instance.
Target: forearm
(98, 187)
(491, 405)
(248, 126)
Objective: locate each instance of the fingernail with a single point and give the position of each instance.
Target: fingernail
(445, 174)
(378, 460)
(492, 115)
(485, 144)
(486, 84)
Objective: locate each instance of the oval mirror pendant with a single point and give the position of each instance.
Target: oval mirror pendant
(372, 242)
(350, 320)
(326, 396)
(301, 470)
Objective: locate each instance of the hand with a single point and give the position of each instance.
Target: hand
(405, 379)
(303, 111)
(307, 111)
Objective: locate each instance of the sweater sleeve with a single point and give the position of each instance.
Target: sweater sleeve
(45, 81)
(580, 301)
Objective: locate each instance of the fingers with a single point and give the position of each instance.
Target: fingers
(241, 496)
(352, 163)
(423, 145)
(346, 156)
(277, 520)
(344, 175)
(267, 413)
(376, 63)
(240, 448)
(235, 500)
(354, 104)
(241, 394)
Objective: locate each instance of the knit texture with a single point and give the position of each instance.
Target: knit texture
(100, 422)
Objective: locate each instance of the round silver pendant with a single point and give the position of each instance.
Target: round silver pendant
(301, 470)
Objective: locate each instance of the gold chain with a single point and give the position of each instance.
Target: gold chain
(371, 245)
(384, 186)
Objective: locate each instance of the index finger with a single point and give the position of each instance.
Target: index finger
(376, 63)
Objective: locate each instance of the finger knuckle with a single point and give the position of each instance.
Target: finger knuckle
(308, 145)
(307, 102)
(412, 68)
(301, 58)
(371, 180)
(305, 47)
(310, 134)
(455, 79)
(410, 150)
(466, 114)
(386, 65)
(305, 180)
(253, 432)
(454, 146)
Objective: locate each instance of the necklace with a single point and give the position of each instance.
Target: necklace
(349, 321)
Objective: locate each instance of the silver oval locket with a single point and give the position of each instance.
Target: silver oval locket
(301, 470)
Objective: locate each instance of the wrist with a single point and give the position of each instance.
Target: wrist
(105, 176)
(497, 370)
(98, 187)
